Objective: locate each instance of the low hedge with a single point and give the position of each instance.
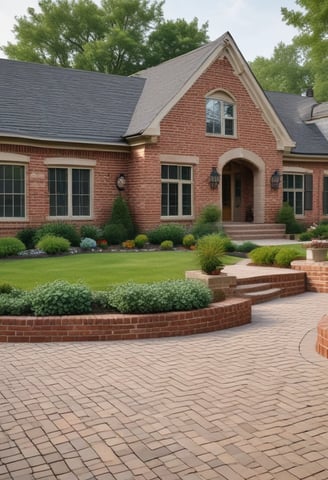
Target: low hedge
(64, 298)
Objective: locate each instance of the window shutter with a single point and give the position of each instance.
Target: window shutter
(308, 188)
(325, 196)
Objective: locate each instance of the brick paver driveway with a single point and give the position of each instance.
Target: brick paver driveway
(245, 403)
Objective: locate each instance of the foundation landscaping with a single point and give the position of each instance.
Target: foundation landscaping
(96, 284)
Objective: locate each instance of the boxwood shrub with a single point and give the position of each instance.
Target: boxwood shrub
(16, 302)
(10, 246)
(285, 256)
(160, 296)
(264, 255)
(52, 245)
(59, 229)
(61, 298)
(172, 232)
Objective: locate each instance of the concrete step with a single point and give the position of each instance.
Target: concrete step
(250, 231)
(252, 287)
(263, 295)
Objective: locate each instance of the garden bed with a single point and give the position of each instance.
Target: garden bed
(231, 312)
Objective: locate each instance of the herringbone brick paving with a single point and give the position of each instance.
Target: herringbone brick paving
(245, 403)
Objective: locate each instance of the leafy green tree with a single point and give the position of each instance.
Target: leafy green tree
(173, 38)
(312, 23)
(118, 37)
(286, 71)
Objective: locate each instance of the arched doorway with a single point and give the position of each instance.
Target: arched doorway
(242, 186)
(237, 192)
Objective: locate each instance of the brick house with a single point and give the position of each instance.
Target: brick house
(67, 136)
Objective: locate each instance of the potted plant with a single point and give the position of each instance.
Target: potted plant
(210, 250)
(316, 250)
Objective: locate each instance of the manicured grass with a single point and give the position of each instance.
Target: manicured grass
(98, 270)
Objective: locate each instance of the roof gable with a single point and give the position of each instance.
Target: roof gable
(169, 81)
(57, 104)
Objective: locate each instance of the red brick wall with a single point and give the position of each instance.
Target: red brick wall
(187, 121)
(322, 337)
(229, 313)
(108, 167)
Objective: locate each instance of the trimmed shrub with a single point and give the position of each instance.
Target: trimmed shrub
(229, 246)
(210, 214)
(160, 297)
(140, 240)
(27, 236)
(305, 236)
(121, 216)
(208, 221)
(264, 255)
(10, 246)
(52, 244)
(286, 215)
(101, 301)
(59, 229)
(88, 243)
(246, 247)
(167, 245)
(210, 250)
(90, 231)
(115, 234)
(16, 302)
(172, 232)
(188, 240)
(285, 256)
(321, 231)
(61, 298)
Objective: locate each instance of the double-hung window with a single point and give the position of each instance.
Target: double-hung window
(297, 191)
(69, 192)
(12, 191)
(177, 183)
(220, 116)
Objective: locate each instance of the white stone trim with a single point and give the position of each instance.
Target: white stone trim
(14, 158)
(70, 162)
(291, 169)
(179, 159)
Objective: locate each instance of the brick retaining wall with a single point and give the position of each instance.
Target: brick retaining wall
(316, 274)
(232, 312)
(322, 337)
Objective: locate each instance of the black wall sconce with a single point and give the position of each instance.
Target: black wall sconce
(214, 178)
(275, 180)
(120, 182)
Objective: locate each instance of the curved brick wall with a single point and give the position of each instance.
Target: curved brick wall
(322, 337)
(229, 313)
(316, 274)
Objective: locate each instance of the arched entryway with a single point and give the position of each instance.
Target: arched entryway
(242, 186)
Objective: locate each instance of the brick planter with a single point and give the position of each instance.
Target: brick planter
(232, 312)
(316, 274)
(322, 337)
(216, 283)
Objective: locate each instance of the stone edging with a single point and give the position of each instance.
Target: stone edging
(231, 312)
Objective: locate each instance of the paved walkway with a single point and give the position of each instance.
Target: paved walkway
(245, 403)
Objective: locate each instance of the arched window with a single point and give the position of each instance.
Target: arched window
(220, 115)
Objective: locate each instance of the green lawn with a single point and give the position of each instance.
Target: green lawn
(98, 270)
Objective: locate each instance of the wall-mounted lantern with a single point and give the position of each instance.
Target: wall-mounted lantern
(121, 181)
(275, 180)
(214, 178)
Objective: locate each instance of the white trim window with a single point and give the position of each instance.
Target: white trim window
(297, 191)
(220, 115)
(177, 191)
(12, 191)
(69, 192)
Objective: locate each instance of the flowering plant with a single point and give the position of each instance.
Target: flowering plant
(128, 244)
(317, 244)
(102, 243)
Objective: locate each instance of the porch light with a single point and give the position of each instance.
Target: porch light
(275, 180)
(214, 178)
(121, 181)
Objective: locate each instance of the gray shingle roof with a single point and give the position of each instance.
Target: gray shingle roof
(44, 102)
(165, 81)
(294, 111)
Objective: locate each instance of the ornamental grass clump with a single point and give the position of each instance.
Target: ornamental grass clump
(61, 298)
(210, 250)
(11, 246)
(158, 297)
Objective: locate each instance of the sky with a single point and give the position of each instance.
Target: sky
(256, 25)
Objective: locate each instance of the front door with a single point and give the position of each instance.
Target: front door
(226, 197)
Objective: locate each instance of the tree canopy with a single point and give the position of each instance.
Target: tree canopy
(293, 68)
(120, 36)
